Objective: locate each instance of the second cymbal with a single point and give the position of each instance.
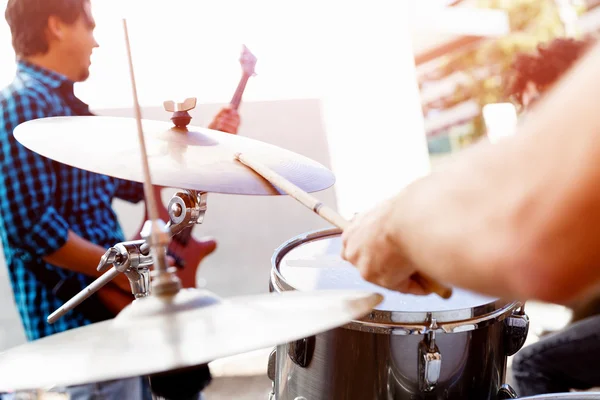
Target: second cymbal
(159, 334)
(188, 158)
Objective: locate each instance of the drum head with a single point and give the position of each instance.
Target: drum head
(313, 262)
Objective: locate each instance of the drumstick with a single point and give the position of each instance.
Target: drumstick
(327, 213)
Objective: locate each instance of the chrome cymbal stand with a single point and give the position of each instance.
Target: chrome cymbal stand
(135, 257)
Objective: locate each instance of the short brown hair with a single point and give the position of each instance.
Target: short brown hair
(28, 20)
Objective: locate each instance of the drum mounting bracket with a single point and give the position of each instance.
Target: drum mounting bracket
(186, 208)
(430, 359)
(516, 330)
(128, 258)
(507, 392)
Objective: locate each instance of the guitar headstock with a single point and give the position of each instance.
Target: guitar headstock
(247, 61)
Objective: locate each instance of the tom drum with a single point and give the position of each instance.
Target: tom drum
(410, 347)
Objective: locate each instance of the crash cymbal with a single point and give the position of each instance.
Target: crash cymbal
(159, 334)
(187, 158)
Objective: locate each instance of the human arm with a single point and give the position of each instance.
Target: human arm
(518, 219)
(83, 256)
(27, 191)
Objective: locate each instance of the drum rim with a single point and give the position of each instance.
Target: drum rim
(398, 322)
(567, 395)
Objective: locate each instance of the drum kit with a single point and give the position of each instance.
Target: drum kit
(334, 336)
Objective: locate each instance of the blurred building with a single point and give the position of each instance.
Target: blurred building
(460, 68)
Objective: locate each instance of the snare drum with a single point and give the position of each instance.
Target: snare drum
(409, 347)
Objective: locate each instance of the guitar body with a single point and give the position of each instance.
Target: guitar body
(114, 298)
(186, 252)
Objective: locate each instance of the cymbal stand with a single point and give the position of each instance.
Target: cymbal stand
(128, 258)
(155, 231)
(186, 208)
(134, 258)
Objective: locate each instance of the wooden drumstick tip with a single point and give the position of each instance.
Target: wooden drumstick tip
(432, 286)
(328, 214)
(444, 292)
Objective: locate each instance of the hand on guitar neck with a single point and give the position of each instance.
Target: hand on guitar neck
(228, 118)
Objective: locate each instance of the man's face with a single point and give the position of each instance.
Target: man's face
(76, 45)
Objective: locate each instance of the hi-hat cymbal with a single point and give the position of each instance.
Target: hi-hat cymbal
(189, 158)
(194, 327)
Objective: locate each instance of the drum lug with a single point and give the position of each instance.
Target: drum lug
(301, 351)
(506, 392)
(430, 361)
(516, 330)
(271, 364)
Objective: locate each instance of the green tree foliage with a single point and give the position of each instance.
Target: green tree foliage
(487, 63)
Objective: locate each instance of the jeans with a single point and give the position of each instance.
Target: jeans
(131, 388)
(561, 361)
(122, 389)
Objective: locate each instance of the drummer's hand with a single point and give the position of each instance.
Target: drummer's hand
(226, 120)
(369, 244)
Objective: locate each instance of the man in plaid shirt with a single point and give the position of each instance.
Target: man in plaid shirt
(57, 221)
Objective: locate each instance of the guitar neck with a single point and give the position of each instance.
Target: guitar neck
(184, 237)
(239, 91)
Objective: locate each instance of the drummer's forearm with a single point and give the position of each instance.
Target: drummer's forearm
(520, 218)
(78, 255)
(438, 224)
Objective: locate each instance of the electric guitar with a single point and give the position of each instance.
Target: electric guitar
(186, 251)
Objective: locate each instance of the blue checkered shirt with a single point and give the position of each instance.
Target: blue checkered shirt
(41, 200)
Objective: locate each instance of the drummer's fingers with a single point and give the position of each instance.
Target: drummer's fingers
(396, 280)
(346, 254)
(346, 233)
(413, 287)
(351, 227)
(349, 250)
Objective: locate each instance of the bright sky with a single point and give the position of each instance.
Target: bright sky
(354, 55)
(190, 48)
